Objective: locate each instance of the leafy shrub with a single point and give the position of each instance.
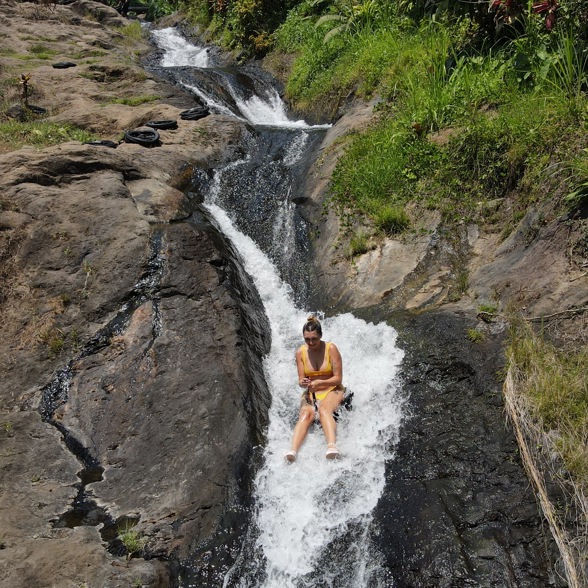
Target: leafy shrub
(247, 24)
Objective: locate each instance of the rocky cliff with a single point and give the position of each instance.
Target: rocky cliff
(456, 492)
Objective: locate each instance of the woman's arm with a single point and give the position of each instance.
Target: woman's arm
(303, 381)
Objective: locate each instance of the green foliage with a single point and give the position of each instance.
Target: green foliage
(132, 32)
(159, 8)
(391, 219)
(567, 73)
(349, 17)
(500, 135)
(136, 100)
(39, 48)
(54, 339)
(579, 179)
(40, 134)
(359, 244)
(463, 280)
(381, 170)
(241, 24)
(475, 335)
(198, 12)
(131, 538)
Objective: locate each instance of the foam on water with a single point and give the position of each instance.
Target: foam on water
(270, 112)
(177, 51)
(296, 149)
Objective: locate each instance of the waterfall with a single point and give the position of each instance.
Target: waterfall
(263, 107)
(177, 52)
(312, 520)
(315, 509)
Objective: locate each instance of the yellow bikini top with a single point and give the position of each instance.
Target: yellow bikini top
(310, 373)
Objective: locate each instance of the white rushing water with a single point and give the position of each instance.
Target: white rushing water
(177, 51)
(268, 110)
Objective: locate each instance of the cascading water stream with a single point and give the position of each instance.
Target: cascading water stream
(312, 518)
(311, 525)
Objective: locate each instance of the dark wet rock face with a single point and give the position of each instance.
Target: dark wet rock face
(457, 509)
(163, 408)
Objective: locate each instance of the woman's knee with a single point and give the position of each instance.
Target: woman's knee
(306, 414)
(325, 412)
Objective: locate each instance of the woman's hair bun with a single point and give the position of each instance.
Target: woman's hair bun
(312, 324)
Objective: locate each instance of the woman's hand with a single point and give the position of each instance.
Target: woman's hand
(304, 382)
(312, 385)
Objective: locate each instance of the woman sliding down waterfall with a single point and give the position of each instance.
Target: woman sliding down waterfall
(320, 372)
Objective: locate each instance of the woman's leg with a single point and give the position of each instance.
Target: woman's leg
(305, 419)
(327, 406)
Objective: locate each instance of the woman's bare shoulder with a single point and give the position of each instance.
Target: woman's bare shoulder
(333, 349)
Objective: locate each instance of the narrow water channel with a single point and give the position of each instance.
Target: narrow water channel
(311, 520)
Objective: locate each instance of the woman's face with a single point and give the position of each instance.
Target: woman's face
(312, 339)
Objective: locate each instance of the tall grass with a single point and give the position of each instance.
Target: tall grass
(546, 396)
(133, 32)
(567, 73)
(556, 382)
(579, 179)
(502, 127)
(132, 539)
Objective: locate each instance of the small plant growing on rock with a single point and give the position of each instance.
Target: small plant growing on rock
(475, 336)
(135, 100)
(359, 244)
(463, 281)
(54, 339)
(132, 539)
(487, 312)
(132, 33)
(391, 219)
(24, 80)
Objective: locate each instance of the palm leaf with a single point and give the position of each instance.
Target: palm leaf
(334, 32)
(329, 18)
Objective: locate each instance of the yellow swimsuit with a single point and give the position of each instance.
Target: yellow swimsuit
(327, 371)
